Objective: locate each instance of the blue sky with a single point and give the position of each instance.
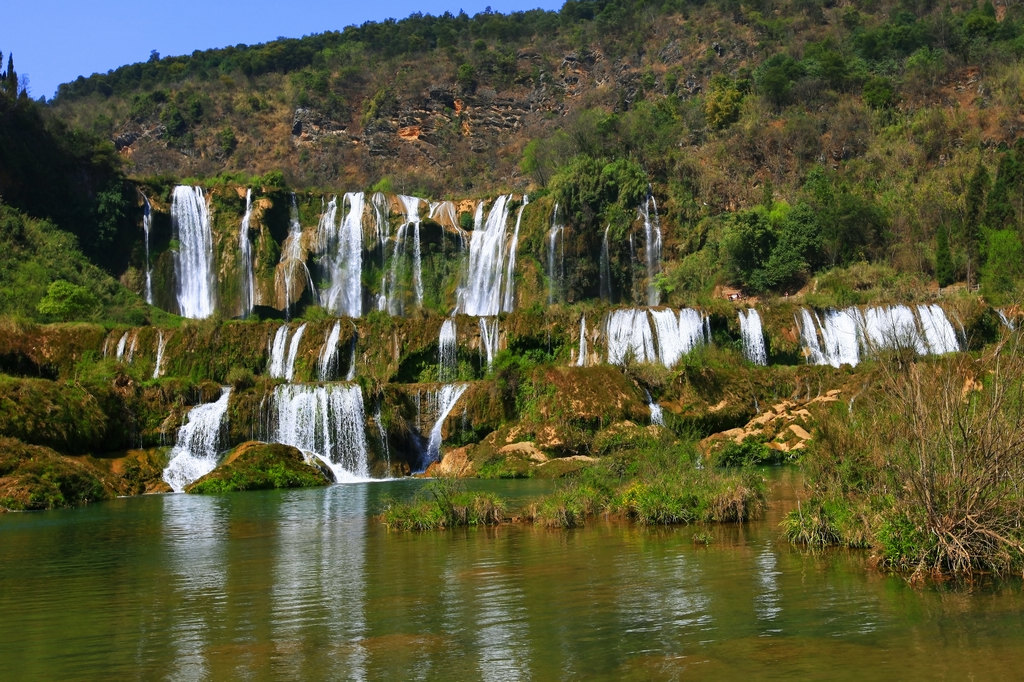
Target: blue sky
(56, 41)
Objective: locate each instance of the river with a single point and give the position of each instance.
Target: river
(308, 585)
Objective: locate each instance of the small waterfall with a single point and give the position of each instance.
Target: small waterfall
(248, 290)
(161, 343)
(351, 374)
(147, 225)
(842, 335)
(509, 303)
(753, 337)
(446, 399)
(196, 452)
(555, 277)
(628, 334)
(652, 235)
(378, 419)
(193, 261)
(121, 346)
(657, 415)
(893, 327)
(327, 364)
(481, 294)
(293, 351)
(382, 224)
(327, 421)
(343, 251)
(489, 339)
(938, 331)
(606, 268)
(292, 257)
(447, 352)
(581, 357)
(809, 337)
(133, 344)
(1004, 318)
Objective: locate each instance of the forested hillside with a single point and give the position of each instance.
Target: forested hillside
(780, 139)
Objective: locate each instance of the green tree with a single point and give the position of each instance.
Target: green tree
(943, 262)
(974, 208)
(722, 104)
(65, 301)
(1004, 264)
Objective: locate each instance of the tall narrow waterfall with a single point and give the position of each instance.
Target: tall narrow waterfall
(509, 303)
(753, 336)
(147, 225)
(292, 258)
(605, 268)
(327, 366)
(446, 350)
(161, 343)
(652, 236)
(481, 293)
(327, 421)
(198, 447)
(581, 357)
(556, 271)
(343, 248)
(248, 291)
(412, 218)
(488, 339)
(657, 414)
(293, 351)
(446, 399)
(1005, 319)
(193, 261)
(280, 366)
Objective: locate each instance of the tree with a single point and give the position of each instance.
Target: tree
(974, 207)
(943, 263)
(65, 301)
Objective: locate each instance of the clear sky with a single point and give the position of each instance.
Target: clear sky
(56, 41)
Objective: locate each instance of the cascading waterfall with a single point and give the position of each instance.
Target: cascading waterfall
(446, 399)
(809, 337)
(481, 294)
(893, 327)
(147, 225)
(489, 339)
(343, 248)
(606, 268)
(753, 337)
(327, 421)
(248, 290)
(133, 344)
(198, 447)
(351, 374)
(628, 334)
(581, 358)
(161, 343)
(293, 351)
(327, 364)
(509, 303)
(121, 346)
(280, 365)
(193, 261)
(378, 419)
(555, 277)
(1005, 319)
(652, 234)
(447, 351)
(938, 331)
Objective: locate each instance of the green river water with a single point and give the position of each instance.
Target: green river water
(307, 585)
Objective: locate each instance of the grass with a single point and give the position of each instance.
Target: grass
(444, 503)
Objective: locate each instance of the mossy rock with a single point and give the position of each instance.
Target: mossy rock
(33, 477)
(260, 466)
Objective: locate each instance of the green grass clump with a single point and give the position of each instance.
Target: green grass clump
(446, 504)
(751, 452)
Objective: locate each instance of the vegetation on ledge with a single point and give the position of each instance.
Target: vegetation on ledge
(260, 466)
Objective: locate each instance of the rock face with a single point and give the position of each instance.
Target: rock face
(260, 466)
(35, 477)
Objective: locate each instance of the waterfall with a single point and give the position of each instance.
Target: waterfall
(133, 344)
(343, 251)
(147, 225)
(195, 453)
(161, 343)
(809, 337)
(489, 339)
(378, 419)
(481, 294)
(291, 257)
(652, 236)
(509, 303)
(293, 350)
(351, 374)
(657, 414)
(606, 268)
(1004, 318)
(446, 399)
(628, 334)
(555, 277)
(581, 358)
(893, 327)
(446, 349)
(753, 337)
(412, 218)
(193, 261)
(938, 331)
(121, 346)
(327, 421)
(381, 223)
(327, 364)
(248, 292)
